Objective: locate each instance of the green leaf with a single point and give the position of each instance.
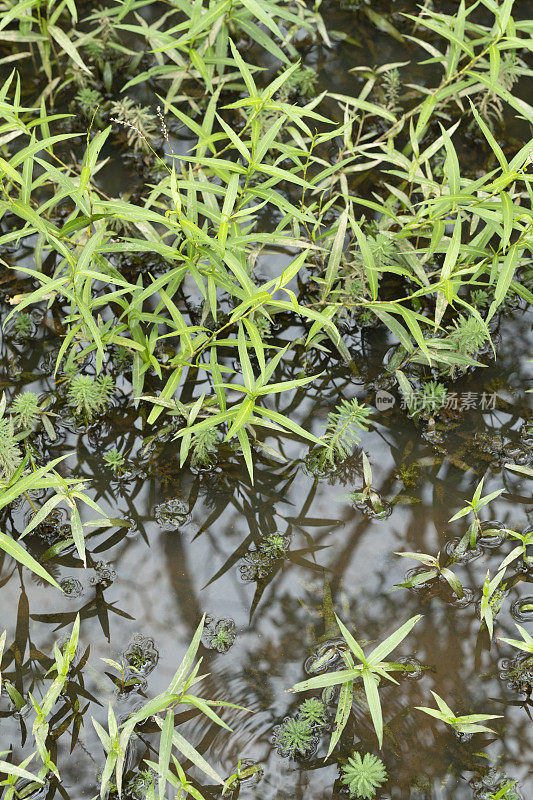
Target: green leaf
(152, 707)
(43, 512)
(505, 277)
(247, 372)
(185, 667)
(374, 704)
(77, 533)
(344, 707)
(335, 255)
(286, 423)
(328, 679)
(521, 470)
(392, 641)
(285, 386)
(257, 11)
(363, 105)
(193, 755)
(257, 342)
(246, 451)
(356, 649)
(165, 747)
(241, 415)
(245, 72)
(205, 707)
(16, 551)
(65, 44)
(462, 513)
(19, 772)
(368, 258)
(517, 103)
(453, 581)
(2, 646)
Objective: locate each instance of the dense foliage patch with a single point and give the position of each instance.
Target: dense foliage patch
(264, 222)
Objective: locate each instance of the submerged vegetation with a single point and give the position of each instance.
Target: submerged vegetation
(204, 245)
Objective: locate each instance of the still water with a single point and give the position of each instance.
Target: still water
(195, 544)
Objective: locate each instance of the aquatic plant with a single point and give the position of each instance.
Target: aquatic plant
(313, 711)
(469, 334)
(141, 654)
(88, 396)
(343, 430)
(203, 448)
(427, 254)
(391, 89)
(128, 675)
(161, 279)
(137, 122)
(301, 83)
(491, 107)
(505, 792)
(518, 674)
(526, 644)
(368, 500)
(16, 771)
(115, 740)
(21, 327)
(495, 784)
(71, 587)
(10, 453)
(63, 659)
(364, 775)
(171, 513)
(493, 592)
(369, 669)
(114, 459)
(246, 771)
(480, 298)
(521, 551)
(435, 571)
(138, 661)
(274, 546)
(25, 408)
(104, 575)
(294, 737)
(219, 634)
(473, 507)
(429, 399)
(88, 99)
(468, 723)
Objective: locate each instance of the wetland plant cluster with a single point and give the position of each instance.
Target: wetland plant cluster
(266, 223)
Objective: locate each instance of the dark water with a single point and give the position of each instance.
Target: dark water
(194, 547)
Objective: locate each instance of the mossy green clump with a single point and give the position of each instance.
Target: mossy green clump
(294, 737)
(10, 454)
(22, 325)
(468, 335)
(313, 711)
(343, 428)
(203, 447)
(87, 396)
(364, 775)
(274, 546)
(301, 83)
(429, 399)
(114, 459)
(137, 121)
(25, 409)
(219, 634)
